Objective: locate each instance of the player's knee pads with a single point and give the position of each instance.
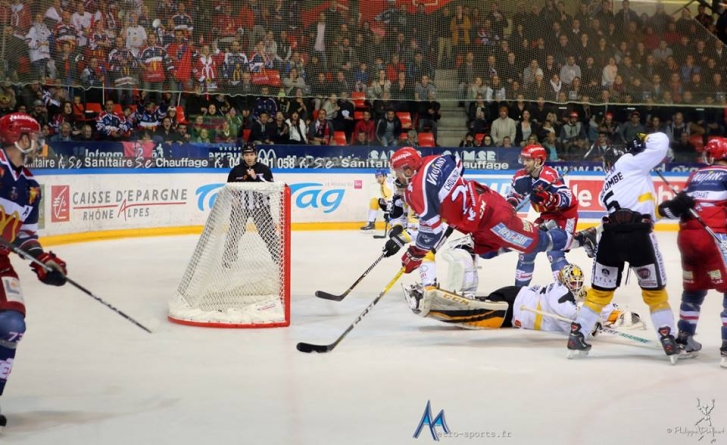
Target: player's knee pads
(12, 328)
(656, 299)
(462, 275)
(695, 298)
(597, 299)
(555, 239)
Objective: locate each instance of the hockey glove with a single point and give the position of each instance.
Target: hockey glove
(512, 201)
(397, 238)
(677, 206)
(547, 200)
(57, 277)
(412, 259)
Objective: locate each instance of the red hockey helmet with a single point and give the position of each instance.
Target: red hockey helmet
(535, 152)
(406, 157)
(716, 150)
(14, 125)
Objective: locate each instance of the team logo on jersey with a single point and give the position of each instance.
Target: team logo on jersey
(643, 273)
(33, 193)
(715, 276)
(13, 194)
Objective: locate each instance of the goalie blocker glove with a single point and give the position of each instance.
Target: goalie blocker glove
(677, 206)
(56, 277)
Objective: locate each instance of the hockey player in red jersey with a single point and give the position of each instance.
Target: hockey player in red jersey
(19, 209)
(438, 193)
(704, 259)
(550, 197)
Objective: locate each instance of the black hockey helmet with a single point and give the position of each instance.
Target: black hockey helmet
(248, 147)
(611, 155)
(637, 144)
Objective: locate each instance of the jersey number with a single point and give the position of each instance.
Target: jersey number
(611, 205)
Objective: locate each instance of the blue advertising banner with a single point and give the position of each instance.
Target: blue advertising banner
(79, 155)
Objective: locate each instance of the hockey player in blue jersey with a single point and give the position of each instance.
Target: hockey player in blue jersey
(19, 209)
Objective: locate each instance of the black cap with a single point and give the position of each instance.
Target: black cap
(248, 148)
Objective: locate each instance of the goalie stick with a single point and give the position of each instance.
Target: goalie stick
(332, 297)
(637, 339)
(25, 255)
(309, 347)
(694, 214)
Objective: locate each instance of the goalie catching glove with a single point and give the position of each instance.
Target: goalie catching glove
(398, 237)
(55, 277)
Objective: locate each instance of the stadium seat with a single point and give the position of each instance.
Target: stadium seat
(180, 114)
(403, 135)
(246, 134)
(93, 107)
(405, 118)
(274, 78)
(698, 142)
(339, 137)
(118, 110)
(357, 115)
(426, 140)
(359, 99)
(479, 137)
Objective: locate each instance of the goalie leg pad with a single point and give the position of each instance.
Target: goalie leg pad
(12, 328)
(451, 308)
(462, 273)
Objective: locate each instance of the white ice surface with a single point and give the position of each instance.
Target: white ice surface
(84, 375)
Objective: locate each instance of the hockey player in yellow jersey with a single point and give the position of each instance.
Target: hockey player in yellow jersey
(629, 197)
(384, 192)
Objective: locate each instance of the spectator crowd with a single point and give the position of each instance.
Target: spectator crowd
(575, 78)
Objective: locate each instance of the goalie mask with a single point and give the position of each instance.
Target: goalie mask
(21, 131)
(571, 276)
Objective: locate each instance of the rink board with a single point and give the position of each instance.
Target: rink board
(107, 203)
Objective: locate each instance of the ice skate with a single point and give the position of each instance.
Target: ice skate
(413, 296)
(3, 422)
(723, 351)
(577, 346)
(587, 240)
(668, 342)
(689, 346)
(369, 226)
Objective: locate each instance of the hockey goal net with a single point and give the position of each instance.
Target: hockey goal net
(239, 274)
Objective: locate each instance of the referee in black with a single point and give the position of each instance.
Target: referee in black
(248, 204)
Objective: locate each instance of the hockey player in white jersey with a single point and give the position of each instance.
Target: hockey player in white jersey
(512, 306)
(384, 191)
(404, 223)
(628, 195)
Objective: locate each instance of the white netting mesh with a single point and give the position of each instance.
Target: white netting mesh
(239, 270)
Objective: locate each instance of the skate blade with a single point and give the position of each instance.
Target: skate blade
(686, 355)
(574, 353)
(674, 358)
(723, 363)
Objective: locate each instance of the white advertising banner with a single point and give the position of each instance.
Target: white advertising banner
(89, 203)
(78, 203)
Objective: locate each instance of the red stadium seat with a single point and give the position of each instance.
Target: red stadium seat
(359, 99)
(246, 134)
(698, 142)
(405, 119)
(274, 78)
(339, 137)
(93, 107)
(357, 115)
(426, 140)
(479, 137)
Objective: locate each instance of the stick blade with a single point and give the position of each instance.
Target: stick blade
(327, 296)
(308, 348)
(379, 236)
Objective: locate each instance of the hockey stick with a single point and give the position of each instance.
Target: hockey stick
(602, 328)
(386, 230)
(309, 347)
(327, 296)
(694, 214)
(25, 255)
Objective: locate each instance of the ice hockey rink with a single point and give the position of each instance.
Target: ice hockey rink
(84, 375)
